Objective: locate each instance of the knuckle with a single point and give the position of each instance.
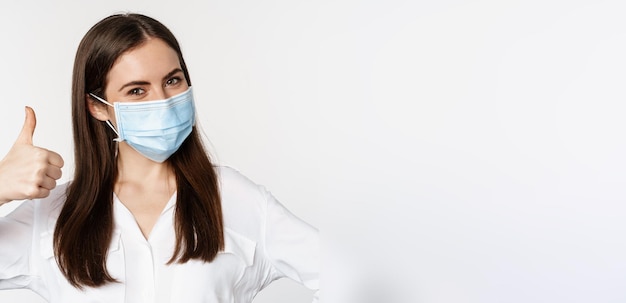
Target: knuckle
(39, 153)
(50, 184)
(40, 170)
(38, 178)
(31, 192)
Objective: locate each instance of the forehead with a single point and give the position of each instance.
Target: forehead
(149, 61)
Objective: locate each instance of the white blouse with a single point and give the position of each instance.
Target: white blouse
(263, 242)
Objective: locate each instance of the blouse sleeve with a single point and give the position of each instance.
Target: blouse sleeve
(16, 231)
(292, 245)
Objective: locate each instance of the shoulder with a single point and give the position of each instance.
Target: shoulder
(236, 187)
(230, 177)
(244, 202)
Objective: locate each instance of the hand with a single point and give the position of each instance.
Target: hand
(27, 171)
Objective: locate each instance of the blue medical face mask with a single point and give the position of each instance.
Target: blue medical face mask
(155, 129)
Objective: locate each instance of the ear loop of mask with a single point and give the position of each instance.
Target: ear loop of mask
(108, 122)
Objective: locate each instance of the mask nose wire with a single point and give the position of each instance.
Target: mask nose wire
(108, 122)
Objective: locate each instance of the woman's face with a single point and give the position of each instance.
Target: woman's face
(149, 72)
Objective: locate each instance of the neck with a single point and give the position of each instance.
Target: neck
(138, 171)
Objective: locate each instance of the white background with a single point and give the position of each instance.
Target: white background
(450, 151)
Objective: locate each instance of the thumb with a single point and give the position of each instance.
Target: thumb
(26, 135)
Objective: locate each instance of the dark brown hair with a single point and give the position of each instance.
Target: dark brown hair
(84, 228)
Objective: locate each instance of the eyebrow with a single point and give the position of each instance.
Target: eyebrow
(141, 82)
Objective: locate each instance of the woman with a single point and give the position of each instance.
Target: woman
(147, 217)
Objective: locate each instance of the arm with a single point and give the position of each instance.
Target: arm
(292, 246)
(16, 230)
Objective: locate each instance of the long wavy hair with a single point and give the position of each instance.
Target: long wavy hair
(85, 225)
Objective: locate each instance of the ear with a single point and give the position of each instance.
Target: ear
(97, 109)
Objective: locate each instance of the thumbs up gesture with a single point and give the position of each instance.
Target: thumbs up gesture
(27, 171)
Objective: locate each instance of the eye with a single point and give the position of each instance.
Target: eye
(136, 91)
(172, 81)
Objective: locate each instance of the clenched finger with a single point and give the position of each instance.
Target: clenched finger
(55, 159)
(48, 183)
(36, 192)
(54, 172)
(42, 193)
